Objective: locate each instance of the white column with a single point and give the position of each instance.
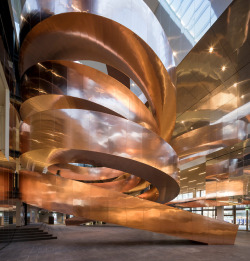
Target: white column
(7, 122)
(4, 113)
(220, 213)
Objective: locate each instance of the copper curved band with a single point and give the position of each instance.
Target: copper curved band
(104, 140)
(84, 173)
(83, 200)
(87, 117)
(117, 180)
(108, 42)
(73, 85)
(135, 15)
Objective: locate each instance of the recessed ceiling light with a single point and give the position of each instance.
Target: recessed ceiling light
(223, 68)
(174, 54)
(193, 169)
(211, 49)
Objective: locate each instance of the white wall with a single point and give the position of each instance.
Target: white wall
(4, 114)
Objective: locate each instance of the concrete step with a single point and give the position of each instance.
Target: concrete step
(28, 239)
(21, 231)
(42, 235)
(24, 235)
(18, 229)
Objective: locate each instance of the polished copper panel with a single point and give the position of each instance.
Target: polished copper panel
(205, 92)
(218, 202)
(84, 173)
(216, 191)
(96, 42)
(4, 183)
(205, 140)
(135, 16)
(75, 221)
(161, 173)
(107, 178)
(130, 184)
(141, 186)
(84, 200)
(214, 106)
(225, 188)
(198, 203)
(7, 167)
(213, 111)
(123, 183)
(73, 85)
(224, 178)
(151, 194)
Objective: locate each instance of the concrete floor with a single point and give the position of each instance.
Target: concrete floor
(119, 243)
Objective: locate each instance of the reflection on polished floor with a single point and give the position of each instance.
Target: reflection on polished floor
(95, 243)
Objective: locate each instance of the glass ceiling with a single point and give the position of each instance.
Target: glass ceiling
(194, 17)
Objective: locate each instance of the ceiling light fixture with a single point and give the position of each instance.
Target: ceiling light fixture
(211, 49)
(193, 169)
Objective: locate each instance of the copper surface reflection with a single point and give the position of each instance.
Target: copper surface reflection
(136, 59)
(205, 140)
(70, 171)
(205, 93)
(93, 203)
(82, 87)
(138, 18)
(7, 168)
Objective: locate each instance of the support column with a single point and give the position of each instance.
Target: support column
(18, 213)
(25, 214)
(64, 218)
(32, 219)
(33, 215)
(36, 215)
(247, 218)
(220, 213)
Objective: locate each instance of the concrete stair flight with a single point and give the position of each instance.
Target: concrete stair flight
(28, 233)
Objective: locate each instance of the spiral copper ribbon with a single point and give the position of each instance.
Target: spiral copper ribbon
(73, 113)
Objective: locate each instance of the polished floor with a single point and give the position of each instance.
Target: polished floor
(119, 243)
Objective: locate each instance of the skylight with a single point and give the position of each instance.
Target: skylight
(194, 17)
